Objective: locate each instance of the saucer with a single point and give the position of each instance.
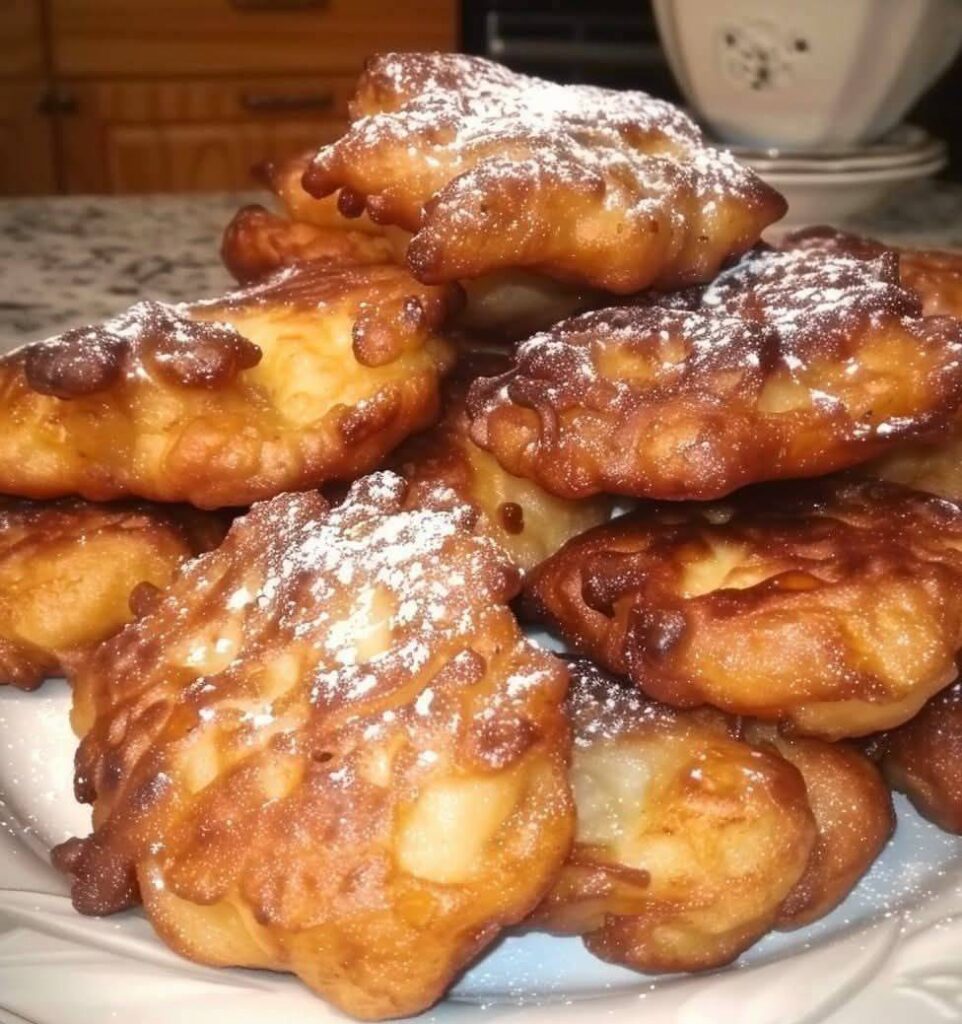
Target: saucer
(903, 146)
(832, 186)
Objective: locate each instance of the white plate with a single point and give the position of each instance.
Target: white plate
(892, 953)
(834, 198)
(904, 146)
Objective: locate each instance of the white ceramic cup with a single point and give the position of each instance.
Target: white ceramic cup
(806, 74)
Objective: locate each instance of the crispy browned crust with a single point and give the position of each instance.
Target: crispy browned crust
(501, 307)
(529, 523)
(923, 759)
(934, 275)
(835, 607)
(689, 839)
(853, 815)
(67, 570)
(284, 180)
(310, 375)
(933, 463)
(328, 749)
(494, 170)
(257, 243)
(791, 364)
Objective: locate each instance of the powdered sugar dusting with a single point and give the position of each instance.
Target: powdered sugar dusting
(810, 296)
(603, 708)
(793, 363)
(615, 188)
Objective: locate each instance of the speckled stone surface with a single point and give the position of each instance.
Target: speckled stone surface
(71, 260)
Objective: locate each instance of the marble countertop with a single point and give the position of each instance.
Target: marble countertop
(70, 260)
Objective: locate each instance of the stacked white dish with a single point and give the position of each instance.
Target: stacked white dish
(828, 84)
(834, 185)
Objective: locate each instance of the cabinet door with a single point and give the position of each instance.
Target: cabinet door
(174, 38)
(21, 39)
(26, 140)
(26, 134)
(193, 135)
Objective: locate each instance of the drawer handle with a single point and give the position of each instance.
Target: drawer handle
(277, 5)
(57, 103)
(279, 103)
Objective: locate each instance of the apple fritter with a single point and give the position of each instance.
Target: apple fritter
(525, 520)
(933, 463)
(311, 375)
(934, 275)
(494, 170)
(328, 749)
(503, 307)
(257, 243)
(689, 839)
(835, 607)
(67, 570)
(284, 179)
(853, 814)
(790, 364)
(923, 759)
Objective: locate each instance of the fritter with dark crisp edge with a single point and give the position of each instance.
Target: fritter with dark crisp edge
(311, 375)
(67, 569)
(503, 306)
(923, 759)
(328, 749)
(524, 519)
(284, 179)
(933, 463)
(835, 607)
(257, 243)
(791, 364)
(853, 814)
(494, 170)
(934, 275)
(689, 839)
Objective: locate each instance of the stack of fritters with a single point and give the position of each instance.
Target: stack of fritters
(326, 746)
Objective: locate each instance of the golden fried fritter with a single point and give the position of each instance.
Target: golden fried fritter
(67, 569)
(934, 275)
(256, 243)
(504, 306)
(688, 839)
(328, 749)
(836, 607)
(923, 759)
(525, 520)
(791, 364)
(284, 180)
(853, 814)
(933, 463)
(494, 170)
(312, 375)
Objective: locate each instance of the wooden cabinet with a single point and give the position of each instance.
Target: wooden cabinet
(164, 38)
(185, 95)
(22, 51)
(192, 135)
(27, 164)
